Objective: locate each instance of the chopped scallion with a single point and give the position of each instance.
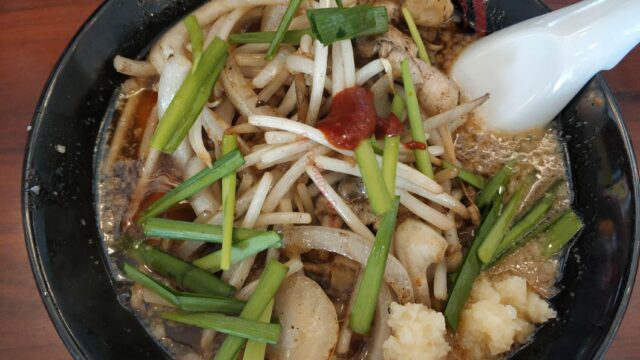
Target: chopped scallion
(470, 178)
(415, 34)
(492, 187)
(256, 350)
(229, 144)
(471, 267)
(246, 329)
(423, 162)
(184, 301)
(374, 185)
(364, 306)
(223, 166)
(185, 230)
(240, 250)
(397, 106)
(487, 250)
(561, 232)
(268, 285)
(282, 28)
(196, 37)
(145, 280)
(200, 101)
(334, 24)
(390, 162)
(180, 271)
(184, 104)
(529, 221)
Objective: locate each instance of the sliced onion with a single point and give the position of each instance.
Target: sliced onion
(352, 246)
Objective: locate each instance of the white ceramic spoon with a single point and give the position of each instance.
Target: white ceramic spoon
(534, 68)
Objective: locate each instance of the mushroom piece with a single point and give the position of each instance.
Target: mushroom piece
(418, 246)
(308, 319)
(430, 12)
(436, 92)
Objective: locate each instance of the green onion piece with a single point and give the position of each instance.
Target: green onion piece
(282, 28)
(364, 307)
(147, 281)
(182, 104)
(334, 24)
(180, 271)
(202, 303)
(390, 162)
(397, 106)
(240, 250)
(339, 3)
(200, 101)
(377, 149)
(492, 187)
(268, 285)
(372, 177)
(265, 37)
(247, 329)
(256, 350)
(184, 301)
(223, 166)
(415, 34)
(196, 37)
(470, 178)
(487, 250)
(471, 267)
(185, 230)
(229, 144)
(423, 162)
(561, 232)
(529, 221)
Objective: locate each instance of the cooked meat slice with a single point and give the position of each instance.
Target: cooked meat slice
(436, 92)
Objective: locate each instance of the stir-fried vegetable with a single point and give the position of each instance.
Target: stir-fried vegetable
(228, 204)
(184, 301)
(391, 149)
(188, 100)
(223, 166)
(415, 34)
(529, 221)
(561, 232)
(256, 350)
(269, 283)
(374, 184)
(333, 24)
(423, 162)
(200, 100)
(180, 271)
(471, 267)
(235, 326)
(487, 250)
(184, 230)
(196, 37)
(263, 37)
(240, 250)
(364, 306)
(492, 187)
(467, 176)
(282, 28)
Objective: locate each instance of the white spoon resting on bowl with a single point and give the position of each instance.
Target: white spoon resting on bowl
(534, 68)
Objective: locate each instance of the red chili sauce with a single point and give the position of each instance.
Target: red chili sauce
(352, 118)
(415, 145)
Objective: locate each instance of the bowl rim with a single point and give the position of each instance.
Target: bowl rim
(42, 283)
(41, 278)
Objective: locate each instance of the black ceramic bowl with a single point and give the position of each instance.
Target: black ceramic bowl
(73, 275)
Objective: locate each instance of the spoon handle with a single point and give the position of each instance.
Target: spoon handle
(596, 34)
